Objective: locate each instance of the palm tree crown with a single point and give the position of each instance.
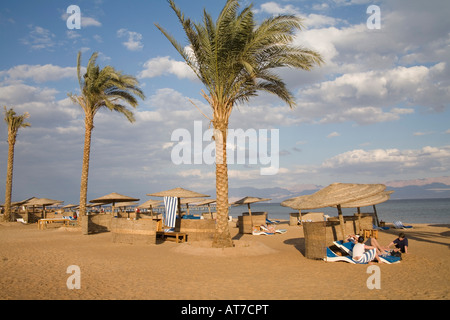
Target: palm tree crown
(15, 122)
(235, 58)
(106, 87)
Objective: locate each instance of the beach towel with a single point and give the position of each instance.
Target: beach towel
(367, 256)
(170, 215)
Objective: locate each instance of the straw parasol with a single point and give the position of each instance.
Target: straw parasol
(333, 196)
(42, 202)
(178, 193)
(248, 201)
(207, 202)
(369, 201)
(188, 201)
(149, 204)
(112, 199)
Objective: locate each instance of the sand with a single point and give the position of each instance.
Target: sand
(34, 263)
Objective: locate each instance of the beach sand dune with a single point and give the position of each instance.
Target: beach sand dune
(33, 265)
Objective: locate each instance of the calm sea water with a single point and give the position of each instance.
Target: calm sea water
(433, 211)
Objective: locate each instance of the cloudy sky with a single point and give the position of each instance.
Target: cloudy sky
(376, 111)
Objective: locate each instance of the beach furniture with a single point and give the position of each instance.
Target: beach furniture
(45, 222)
(243, 221)
(331, 256)
(112, 199)
(348, 248)
(335, 195)
(264, 228)
(400, 225)
(272, 221)
(169, 221)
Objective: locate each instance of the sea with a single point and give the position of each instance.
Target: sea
(430, 211)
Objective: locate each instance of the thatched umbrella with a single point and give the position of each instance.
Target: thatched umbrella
(70, 206)
(149, 204)
(248, 201)
(112, 199)
(42, 202)
(207, 202)
(178, 193)
(369, 201)
(188, 201)
(333, 196)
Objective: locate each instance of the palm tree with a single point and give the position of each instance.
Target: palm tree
(14, 122)
(102, 88)
(234, 58)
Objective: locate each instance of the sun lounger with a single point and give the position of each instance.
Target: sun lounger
(348, 248)
(272, 221)
(380, 228)
(400, 225)
(21, 220)
(333, 257)
(259, 233)
(265, 229)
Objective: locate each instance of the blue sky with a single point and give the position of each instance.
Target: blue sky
(377, 111)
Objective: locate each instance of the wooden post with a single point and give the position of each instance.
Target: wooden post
(376, 215)
(341, 221)
(251, 218)
(359, 221)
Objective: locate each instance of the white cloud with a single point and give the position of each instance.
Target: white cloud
(311, 20)
(134, 42)
(39, 73)
(363, 97)
(39, 38)
(89, 22)
(159, 66)
(391, 161)
(333, 134)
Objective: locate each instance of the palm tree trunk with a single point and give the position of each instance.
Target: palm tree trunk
(89, 125)
(222, 236)
(9, 176)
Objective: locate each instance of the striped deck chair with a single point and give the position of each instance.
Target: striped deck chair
(170, 214)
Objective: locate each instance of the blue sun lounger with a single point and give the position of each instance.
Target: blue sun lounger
(348, 248)
(333, 257)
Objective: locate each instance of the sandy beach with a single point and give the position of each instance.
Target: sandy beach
(33, 265)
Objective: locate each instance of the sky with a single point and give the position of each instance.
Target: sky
(377, 110)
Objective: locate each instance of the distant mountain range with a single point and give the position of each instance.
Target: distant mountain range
(428, 191)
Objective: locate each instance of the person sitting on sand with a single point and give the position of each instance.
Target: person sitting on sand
(360, 255)
(401, 243)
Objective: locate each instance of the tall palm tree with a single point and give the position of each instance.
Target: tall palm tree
(102, 88)
(14, 122)
(235, 58)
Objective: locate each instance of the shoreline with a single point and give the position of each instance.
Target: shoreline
(33, 265)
